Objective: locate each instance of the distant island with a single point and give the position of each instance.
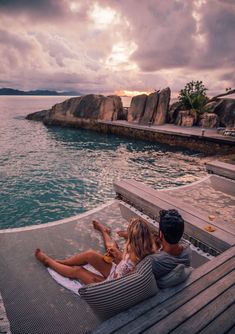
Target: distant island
(10, 91)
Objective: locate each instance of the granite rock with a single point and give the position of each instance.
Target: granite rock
(150, 109)
(208, 120)
(225, 110)
(173, 112)
(187, 117)
(162, 107)
(88, 107)
(118, 112)
(137, 107)
(38, 115)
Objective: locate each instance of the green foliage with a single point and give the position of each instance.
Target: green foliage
(193, 96)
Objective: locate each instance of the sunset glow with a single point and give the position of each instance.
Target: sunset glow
(102, 17)
(130, 93)
(106, 46)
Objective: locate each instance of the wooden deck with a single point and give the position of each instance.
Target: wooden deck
(221, 168)
(151, 201)
(204, 304)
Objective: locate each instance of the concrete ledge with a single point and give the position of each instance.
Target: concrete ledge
(221, 168)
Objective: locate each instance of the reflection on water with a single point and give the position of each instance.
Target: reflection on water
(48, 173)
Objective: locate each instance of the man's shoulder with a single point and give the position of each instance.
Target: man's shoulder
(163, 256)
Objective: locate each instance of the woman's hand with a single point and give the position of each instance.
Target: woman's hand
(115, 253)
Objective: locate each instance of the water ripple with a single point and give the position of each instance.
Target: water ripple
(49, 173)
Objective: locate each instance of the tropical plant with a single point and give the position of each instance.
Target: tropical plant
(193, 96)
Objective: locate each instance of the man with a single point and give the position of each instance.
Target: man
(173, 250)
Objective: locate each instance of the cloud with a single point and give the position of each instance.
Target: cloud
(217, 26)
(106, 46)
(163, 32)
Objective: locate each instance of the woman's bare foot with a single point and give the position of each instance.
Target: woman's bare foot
(122, 234)
(42, 257)
(100, 227)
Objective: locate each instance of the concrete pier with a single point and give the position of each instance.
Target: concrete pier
(207, 141)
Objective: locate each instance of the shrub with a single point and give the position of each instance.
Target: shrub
(193, 96)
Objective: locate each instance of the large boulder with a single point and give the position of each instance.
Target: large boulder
(162, 107)
(208, 120)
(89, 108)
(105, 109)
(118, 111)
(67, 107)
(137, 107)
(225, 109)
(173, 112)
(150, 109)
(123, 115)
(38, 115)
(187, 117)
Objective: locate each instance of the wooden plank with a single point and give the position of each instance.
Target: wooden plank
(223, 323)
(221, 168)
(134, 313)
(175, 318)
(170, 305)
(208, 313)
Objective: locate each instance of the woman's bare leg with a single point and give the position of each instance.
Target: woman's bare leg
(92, 257)
(77, 272)
(105, 232)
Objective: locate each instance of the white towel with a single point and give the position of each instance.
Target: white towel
(71, 284)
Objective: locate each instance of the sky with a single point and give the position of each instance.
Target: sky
(117, 46)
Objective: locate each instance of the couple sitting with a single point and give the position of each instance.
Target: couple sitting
(140, 242)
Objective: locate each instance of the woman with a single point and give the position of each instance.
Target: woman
(139, 244)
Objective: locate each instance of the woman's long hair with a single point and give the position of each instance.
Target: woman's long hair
(140, 241)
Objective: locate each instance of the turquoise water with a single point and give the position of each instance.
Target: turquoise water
(49, 173)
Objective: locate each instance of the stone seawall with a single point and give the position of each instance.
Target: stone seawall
(208, 145)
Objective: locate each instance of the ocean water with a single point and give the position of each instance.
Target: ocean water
(49, 173)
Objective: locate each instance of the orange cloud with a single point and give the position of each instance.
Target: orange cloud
(130, 92)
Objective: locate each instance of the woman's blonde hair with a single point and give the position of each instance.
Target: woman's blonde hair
(140, 241)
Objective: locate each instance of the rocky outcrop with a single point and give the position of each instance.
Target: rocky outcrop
(208, 120)
(173, 112)
(219, 112)
(225, 110)
(187, 117)
(86, 108)
(118, 110)
(123, 115)
(150, 109)
(37, 116)
(136, 110)
(162, 107)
